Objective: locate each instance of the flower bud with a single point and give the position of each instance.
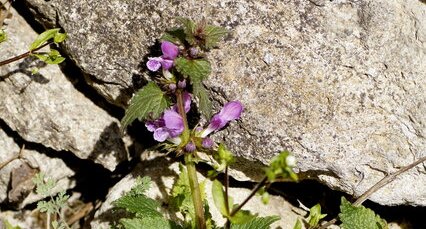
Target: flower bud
(190, 147)
(290, 161)
(207, 143)
(182, 84)
(172, 87)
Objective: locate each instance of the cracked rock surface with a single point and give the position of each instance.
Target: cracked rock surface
(45, 107)
(341, 84)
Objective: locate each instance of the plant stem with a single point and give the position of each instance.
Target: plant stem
(48, 221)
(228, 223)
(23, 55)
(195, 191)
(253, 192)
(192, 172)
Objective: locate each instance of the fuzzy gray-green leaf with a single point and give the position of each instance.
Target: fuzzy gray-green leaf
(200, 92)
(359, 217)
(213, 35)
(148, 102)
(257, 223)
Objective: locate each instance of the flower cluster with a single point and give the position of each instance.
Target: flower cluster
(170, 125)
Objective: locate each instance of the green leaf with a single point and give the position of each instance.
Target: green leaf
(140, 205)
(280, 167)
(43, 37)
(194, 69)
(315, 215)
(201, 93)
(189, 29)
(219, 198)
(53, 57)
(360, 217)
(241, 217)
(176, 36)
(257, 223)
(149, 102)
(140, 187)
(3, 36)
(59, 37)
(149, 223)
(298, 224)
(213, 34)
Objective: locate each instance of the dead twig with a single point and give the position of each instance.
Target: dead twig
(386, 180)
(3, 164)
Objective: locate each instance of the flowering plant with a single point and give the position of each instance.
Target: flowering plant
(163, 104)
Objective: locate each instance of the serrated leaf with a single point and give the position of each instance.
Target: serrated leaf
(176, 36)
(59, 37)
(53, 57)
(219, 198)
(189, 29)
(360, 217)
(257, 223)
(241, 217)
(148, 102)
(196, 69)
(200, 92)
(213, 34)
(149, 223)
(140, 205)
(43, 37)
(315, 215)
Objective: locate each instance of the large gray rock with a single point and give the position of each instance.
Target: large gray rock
(339, 83)
(46, 108)
(19, 166)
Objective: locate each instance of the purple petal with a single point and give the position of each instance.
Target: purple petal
(161, 134)
(182, 84)
(231, 111)
(150, 126)
(174, 122)
(167, 64)
(154, 63)
(186, 102)
(170, 50)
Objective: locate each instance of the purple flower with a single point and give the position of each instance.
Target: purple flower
(186, 102)
(229, 112)
(170, 52)
(170, 125)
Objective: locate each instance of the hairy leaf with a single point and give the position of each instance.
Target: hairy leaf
(257, 223)
(149, 102)
(176, 36)
(189, 29)
(196, 69)
(149, 223)
(359, 217)
(140, 205)
(43, 37)
(213, 34)
(200, 92)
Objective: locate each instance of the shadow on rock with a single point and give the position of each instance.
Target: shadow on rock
(26, 67)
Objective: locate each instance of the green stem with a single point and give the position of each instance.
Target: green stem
(8, 61)
(192, 172)
(253, 192)
(195, 191)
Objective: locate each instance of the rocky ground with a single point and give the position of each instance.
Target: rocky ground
(341, 84)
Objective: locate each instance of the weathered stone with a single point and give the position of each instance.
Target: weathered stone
(163, 174)
(339, 83)
(46, 108)
(14, 166)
